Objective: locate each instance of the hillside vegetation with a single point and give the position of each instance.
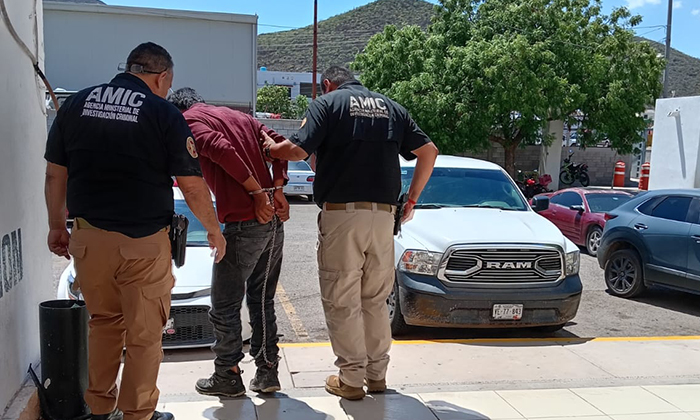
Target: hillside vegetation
(341, 37)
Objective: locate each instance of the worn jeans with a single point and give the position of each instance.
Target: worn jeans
(242, 271)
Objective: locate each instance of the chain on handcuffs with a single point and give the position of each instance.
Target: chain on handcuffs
(263, 348)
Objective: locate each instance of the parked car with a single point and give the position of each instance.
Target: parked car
(188, 325)
(475, 254)
(654, 239)
(580, 213)
(301, 180)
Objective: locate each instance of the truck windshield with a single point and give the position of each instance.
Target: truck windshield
(460, 187)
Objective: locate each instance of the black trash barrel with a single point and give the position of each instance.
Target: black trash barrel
(63, 330)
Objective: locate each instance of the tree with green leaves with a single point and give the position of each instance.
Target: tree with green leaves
(276, 100)
(497, 71)
(299, 106)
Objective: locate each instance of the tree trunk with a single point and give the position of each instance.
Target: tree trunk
(510, 158)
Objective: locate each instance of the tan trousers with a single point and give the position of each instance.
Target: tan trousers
(126, 284)
(356, 274)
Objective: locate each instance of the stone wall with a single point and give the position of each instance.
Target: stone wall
(284, 127)
(600, 160)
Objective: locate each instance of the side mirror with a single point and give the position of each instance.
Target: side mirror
(540, 203)
(579, 208)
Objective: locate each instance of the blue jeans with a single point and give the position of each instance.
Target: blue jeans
(242, 271)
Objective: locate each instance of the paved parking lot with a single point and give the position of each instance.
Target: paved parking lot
(658, 313)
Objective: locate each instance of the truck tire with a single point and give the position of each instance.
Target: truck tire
(398, 324)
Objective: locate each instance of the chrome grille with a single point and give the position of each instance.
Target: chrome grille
(192, 327)
(503, 266)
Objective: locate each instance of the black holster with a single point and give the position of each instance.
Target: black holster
(178, 239)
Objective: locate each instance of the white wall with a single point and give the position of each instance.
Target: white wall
(213, 53)
(675, 162)
(25, 270)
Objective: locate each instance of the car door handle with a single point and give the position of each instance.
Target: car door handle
(697, 239)
(640, 226)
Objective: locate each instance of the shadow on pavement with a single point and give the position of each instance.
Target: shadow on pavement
(391, 406)
(299, 200)
(443, 409)
(686, 303)
(530, 336)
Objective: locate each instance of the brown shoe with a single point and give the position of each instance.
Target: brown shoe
(336, 387)
(375, 387)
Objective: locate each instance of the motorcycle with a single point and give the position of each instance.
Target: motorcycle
(531, 184)
(570, 172)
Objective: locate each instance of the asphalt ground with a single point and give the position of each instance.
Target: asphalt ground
(658, 313)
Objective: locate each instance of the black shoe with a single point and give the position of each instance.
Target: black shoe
(162, 416)
(229, 384)
(266, 380)
(114, 415)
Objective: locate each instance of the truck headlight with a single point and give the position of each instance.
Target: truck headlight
(573, 263)
(420, 262)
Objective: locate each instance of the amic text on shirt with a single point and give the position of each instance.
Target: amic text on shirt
(368, 107)
(111, 103)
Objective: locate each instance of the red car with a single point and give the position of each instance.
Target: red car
(580, 213)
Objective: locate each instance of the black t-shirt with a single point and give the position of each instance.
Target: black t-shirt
(358, 135)
(122, 145)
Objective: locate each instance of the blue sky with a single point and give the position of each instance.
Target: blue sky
(276, 15)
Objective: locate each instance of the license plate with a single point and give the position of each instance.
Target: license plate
(169, 328)
(299, 188)
(510, 312)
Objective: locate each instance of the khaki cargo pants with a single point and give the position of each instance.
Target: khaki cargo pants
(126, 284)
(356, 274)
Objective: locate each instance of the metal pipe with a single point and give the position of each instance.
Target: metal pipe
(667, 53)
(315, 52)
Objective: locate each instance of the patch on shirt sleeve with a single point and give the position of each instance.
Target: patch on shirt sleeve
(303, 123)
(191, 148)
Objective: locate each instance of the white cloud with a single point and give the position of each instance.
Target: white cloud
(635, 4)
(677, 4)
(695, 12)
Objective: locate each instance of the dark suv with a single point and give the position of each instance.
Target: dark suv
(653, 239)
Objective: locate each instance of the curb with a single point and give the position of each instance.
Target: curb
(24, 406)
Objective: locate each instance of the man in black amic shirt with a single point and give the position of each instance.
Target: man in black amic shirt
(357, 136)
(112, 152)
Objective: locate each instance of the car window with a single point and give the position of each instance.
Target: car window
(603, 203)
(462, 187)
(556, 199)
(569, 199)
(196, 233)
(648, 206)
(298, 166)
(673, 208)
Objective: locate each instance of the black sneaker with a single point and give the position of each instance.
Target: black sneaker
(162, 416)
(266, 380)
(114, 415)
(229, 384)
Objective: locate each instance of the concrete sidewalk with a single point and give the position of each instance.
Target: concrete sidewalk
(614, 378)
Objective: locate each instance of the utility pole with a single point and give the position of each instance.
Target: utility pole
(315, 53)
(667, 53)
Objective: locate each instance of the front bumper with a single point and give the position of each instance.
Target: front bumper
(426, 301)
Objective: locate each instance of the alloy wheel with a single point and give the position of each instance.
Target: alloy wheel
(391, 303)
(622, 275)
(594, 241)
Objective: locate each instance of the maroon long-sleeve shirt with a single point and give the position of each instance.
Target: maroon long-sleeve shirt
(229, 153)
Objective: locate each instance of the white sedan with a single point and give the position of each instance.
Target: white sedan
(301, 180)
(188, 325)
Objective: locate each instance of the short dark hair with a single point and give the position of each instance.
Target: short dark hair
(152, 57)
(338, 75)
(184, 98)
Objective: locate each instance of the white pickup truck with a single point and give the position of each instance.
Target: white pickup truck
(477, 255)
